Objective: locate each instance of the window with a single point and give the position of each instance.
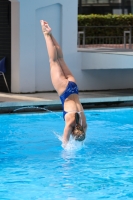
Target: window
(89, 1)
(103, 1)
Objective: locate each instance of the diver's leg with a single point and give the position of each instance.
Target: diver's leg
(60, 58)
(57, 75)
(58, 48)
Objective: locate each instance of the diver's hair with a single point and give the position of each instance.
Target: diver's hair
(77, 118)
(78, 131)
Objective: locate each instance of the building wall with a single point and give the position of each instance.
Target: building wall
(105, 7)
(30, 64)
(42, 78)
(108, 70)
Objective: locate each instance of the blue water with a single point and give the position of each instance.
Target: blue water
(34, 166)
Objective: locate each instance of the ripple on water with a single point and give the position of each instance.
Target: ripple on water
(34, 165)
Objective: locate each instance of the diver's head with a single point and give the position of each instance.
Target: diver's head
(78, 131)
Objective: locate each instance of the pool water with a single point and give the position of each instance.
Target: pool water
(34, 166)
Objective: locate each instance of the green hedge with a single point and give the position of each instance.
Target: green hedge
(120, 21)
(105, 20)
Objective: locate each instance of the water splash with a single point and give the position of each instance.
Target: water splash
(39, 108)
(57, 135)
(72, 145)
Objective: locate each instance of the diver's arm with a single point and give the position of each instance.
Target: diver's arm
(66, 134)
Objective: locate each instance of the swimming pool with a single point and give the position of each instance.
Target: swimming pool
(34, 166)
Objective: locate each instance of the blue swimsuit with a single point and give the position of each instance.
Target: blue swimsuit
(72, 88)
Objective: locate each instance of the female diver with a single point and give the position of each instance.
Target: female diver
(66, 87)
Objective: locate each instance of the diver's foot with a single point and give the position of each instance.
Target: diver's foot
(45, 27)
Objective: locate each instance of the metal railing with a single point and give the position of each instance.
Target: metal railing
(92, 37)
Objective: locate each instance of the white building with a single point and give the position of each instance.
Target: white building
(30, 65)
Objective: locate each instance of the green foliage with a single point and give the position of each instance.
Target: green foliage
(105, 20)
(120, 23)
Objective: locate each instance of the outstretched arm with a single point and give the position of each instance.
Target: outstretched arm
(66, 134)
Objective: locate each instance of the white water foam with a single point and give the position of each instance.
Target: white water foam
(72, 145)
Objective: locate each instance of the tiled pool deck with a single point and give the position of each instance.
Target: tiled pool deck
(92, 99)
